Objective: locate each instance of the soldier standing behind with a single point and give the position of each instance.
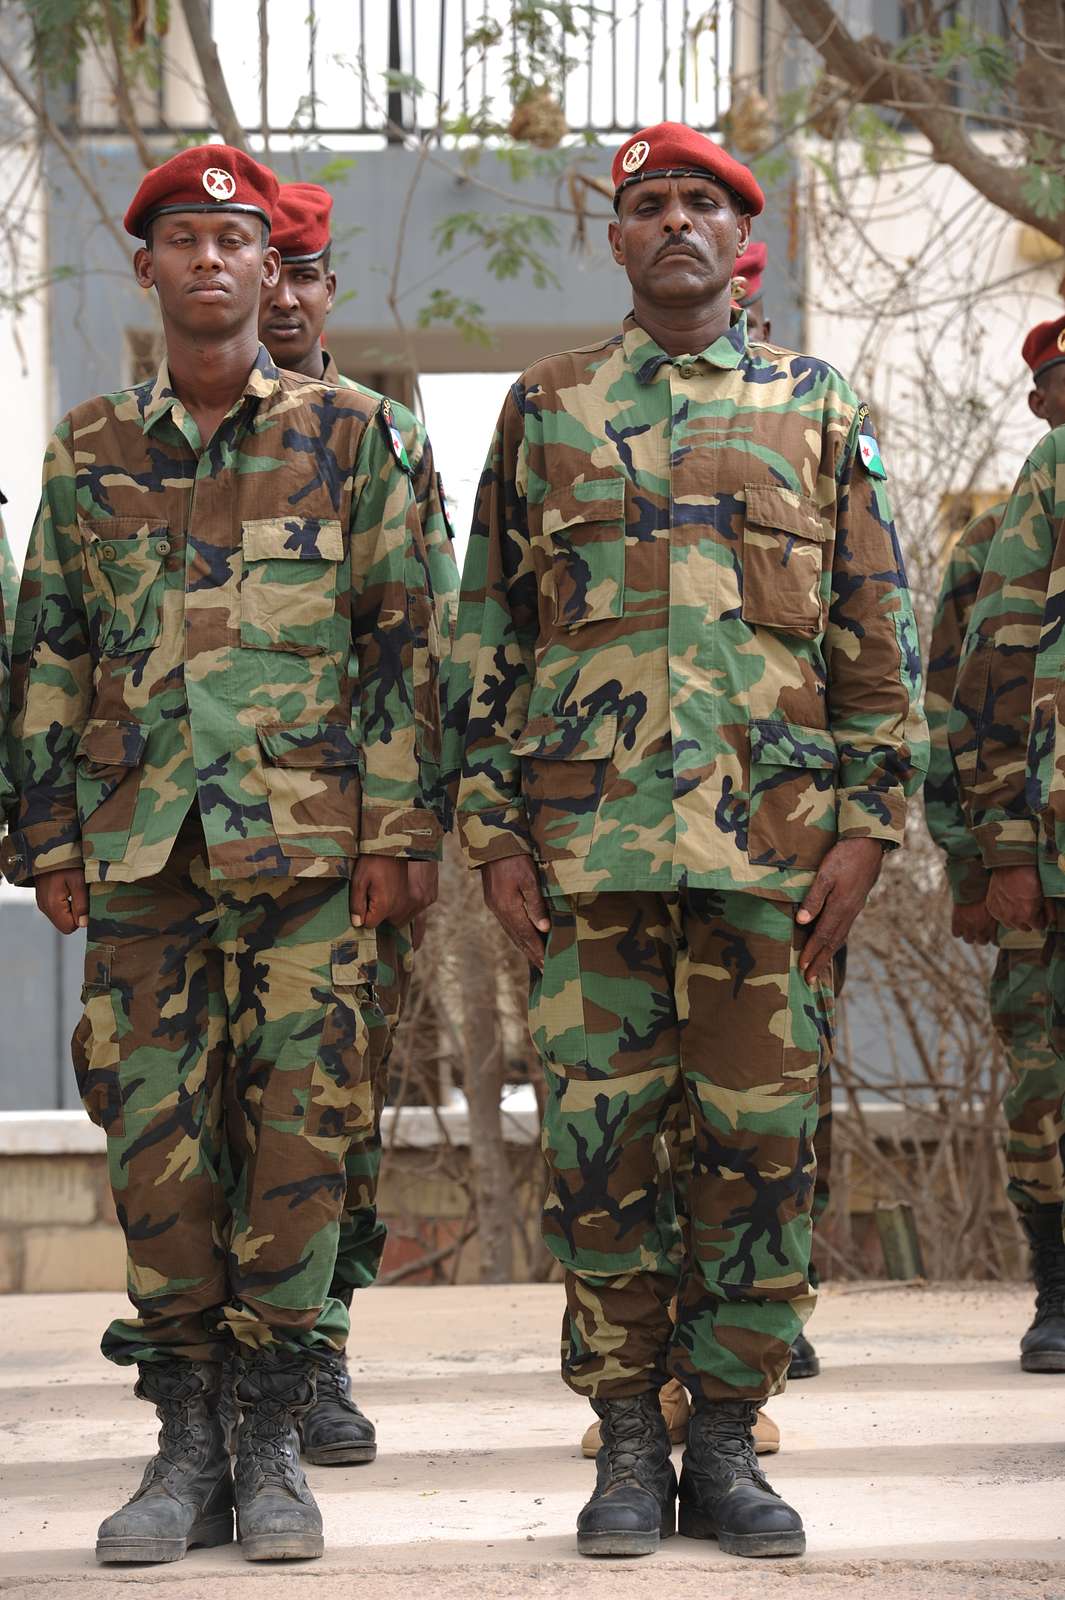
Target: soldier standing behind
(688, 667)
(292, 320)
(1009, 570)
(221, 698)
(8, 597)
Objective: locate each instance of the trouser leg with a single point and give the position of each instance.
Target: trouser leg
(362, 1233)
(1034, 1100)
(149, 1054)
(603, 1019)
(298, 982)
(754, 1036)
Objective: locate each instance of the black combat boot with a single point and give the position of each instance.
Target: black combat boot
(1043, 1346)
(277, 1518)
(634, 1504)
(186, 1496)
(723, 1494)
(334, 1432)
(804, 1360)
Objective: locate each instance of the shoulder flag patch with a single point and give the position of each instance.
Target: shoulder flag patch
(869, 451)
(392, 434)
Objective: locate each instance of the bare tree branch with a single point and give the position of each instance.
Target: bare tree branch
(214, 81)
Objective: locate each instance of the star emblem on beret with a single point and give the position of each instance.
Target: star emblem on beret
(636, 155)
(220, 184)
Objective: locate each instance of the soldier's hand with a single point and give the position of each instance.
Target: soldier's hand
(834, 900)
(64, 898)
(973, 923)
(378, 891)
(512, 894)
(423, 881)
(1016, 898)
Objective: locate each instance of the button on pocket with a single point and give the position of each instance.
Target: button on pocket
(127, 582)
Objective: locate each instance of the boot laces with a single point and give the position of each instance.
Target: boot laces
(1048, 1268)
(333, 1380)
(726, 1428)
(177, 1436)
(266, 1429)
(629, 1434)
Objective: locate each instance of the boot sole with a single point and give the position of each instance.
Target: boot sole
(213, 1531)
(340, 1455)
(627, 1543)
(282, 1547)
(1043, 1361)
(694, 1525)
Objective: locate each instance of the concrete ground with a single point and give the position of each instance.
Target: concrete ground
(925, 1463)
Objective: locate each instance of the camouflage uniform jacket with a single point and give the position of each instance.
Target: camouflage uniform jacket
(1007, 719)
(239, 626)
(685, 651)
(8, 596)
(944, 813)
(437, 539)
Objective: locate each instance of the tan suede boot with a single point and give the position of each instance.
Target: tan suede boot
(676, 1408)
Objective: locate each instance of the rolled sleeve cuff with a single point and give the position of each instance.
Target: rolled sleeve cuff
(493, 835)
(407, 832)
(872, 814)
(1007, 841)
(28, 853)
(968, 878)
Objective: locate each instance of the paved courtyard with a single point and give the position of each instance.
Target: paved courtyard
(925, 1463)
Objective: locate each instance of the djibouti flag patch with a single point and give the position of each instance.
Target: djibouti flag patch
(869, 451)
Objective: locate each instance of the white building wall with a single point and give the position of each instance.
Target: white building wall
(921, 292)
(26, 390)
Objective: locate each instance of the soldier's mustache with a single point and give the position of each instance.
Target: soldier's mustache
(685, 244)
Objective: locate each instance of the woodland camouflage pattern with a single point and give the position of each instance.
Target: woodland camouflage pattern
(1004, 729)
(362, 1233)
(247, 629)
(1035, 1101)
(252, 994)
(8, 596)
(669, 561)
(9, 581)
(653, 1008)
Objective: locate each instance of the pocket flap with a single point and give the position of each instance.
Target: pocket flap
(354, 960)
(773, 506)
(311, 744)
(292, 539)
(112, 744)
(591, 500)
(786, 744)
(569, 738)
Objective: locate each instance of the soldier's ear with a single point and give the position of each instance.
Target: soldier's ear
(743, 232)
(1037, 404)
(613, 233)
(144, 268)
(271, 267)
(330, 290)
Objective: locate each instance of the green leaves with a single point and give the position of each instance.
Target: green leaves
(466, 316)
(511, 239)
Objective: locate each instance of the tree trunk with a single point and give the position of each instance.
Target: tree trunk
(214, 82)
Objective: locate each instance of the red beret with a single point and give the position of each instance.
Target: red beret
(1045, 346)
(301, 221)
(747, 273)
(670, 150)
(209, 177)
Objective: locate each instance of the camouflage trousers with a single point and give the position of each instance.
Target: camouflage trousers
(653, 1011)
(224, 1049)
(1035, 1101)
(362, 1233)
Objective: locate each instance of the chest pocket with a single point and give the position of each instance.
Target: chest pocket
(584, 526)
(126, 559)
(288, 594)
(784, 540)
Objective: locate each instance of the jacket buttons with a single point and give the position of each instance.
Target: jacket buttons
(108, 552)
(162, 547)
(685, 372)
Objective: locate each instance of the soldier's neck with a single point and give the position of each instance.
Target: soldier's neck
(311, 366)
(684, 330)
(209, 378)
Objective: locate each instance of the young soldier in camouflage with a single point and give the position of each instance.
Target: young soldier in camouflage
(225, 717)
(1007, 572)
(688, 669)
(8, 597)
(292, 319)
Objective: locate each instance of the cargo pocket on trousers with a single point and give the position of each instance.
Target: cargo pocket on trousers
(556, 997)
(340, 1099)
(95, 1047)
